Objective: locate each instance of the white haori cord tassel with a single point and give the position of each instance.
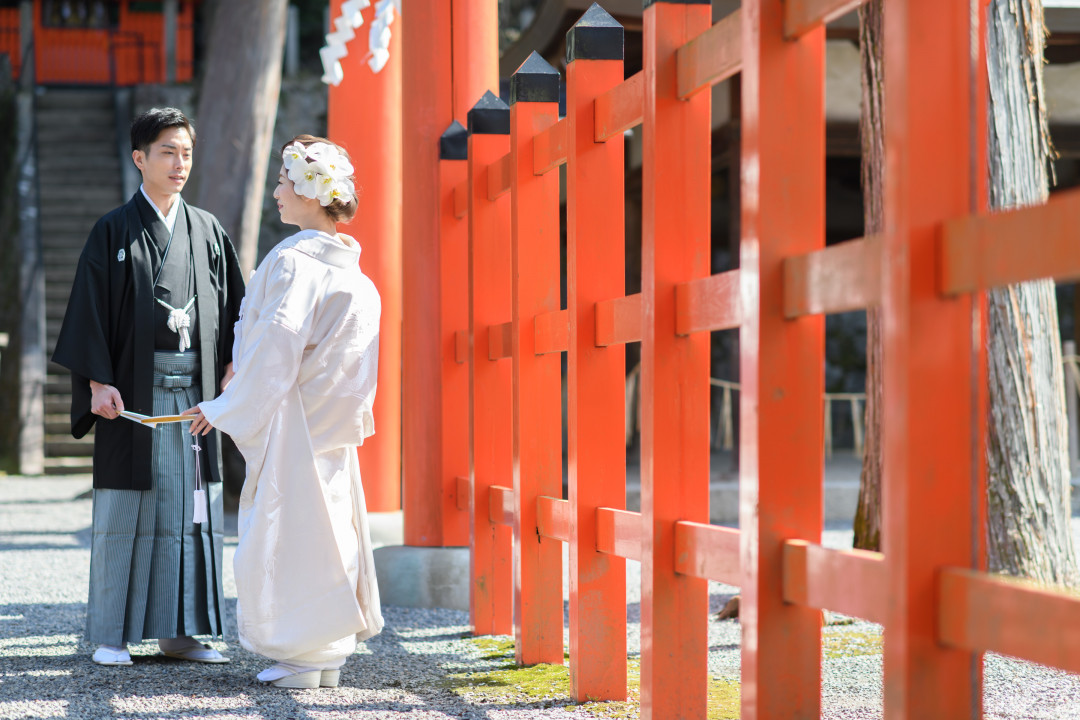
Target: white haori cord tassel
(200, 494)
(179, 321)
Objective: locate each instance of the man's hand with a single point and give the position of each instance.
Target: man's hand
(198, 421)
(227, 377)
(106, 401)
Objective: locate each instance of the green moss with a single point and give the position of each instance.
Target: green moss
(510, 684)
(847, 643)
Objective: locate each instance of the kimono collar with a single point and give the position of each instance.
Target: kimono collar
(328, 248)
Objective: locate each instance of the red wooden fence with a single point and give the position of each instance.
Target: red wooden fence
(939, 252)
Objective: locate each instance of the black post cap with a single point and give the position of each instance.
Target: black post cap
(677, 2)
(454, 143)
(596, 36)
(534, 81)
(489, 116)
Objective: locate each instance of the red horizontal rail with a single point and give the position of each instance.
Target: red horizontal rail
(836, 279)
(708, 551)
(552, 332)
(553, 518)
(709, 303)
(711, 57)
(500, 338)
(499, 177)
(983, 612)
(618, 532)
(987, 251)
(620, 108)
(802, 16)
(461, 485)
(549, 148)
(618, 321)
(501, 505)
(461, 199)
(461, 347)
(852, 582)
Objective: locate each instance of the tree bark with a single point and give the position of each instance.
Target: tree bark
(872, 132)
(235, 121)
(1028, 483)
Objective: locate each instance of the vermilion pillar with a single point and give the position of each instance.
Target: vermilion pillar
(781, 438)
(450, 57)
(364, 115)
(537, 418)
(674, 369)
(596, 376)
(490, 402)
(933, 490)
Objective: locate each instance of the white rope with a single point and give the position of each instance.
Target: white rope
(179, 321)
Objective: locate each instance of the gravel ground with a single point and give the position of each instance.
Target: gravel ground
(44, 563)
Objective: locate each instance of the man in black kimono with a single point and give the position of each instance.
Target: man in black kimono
(149, 329)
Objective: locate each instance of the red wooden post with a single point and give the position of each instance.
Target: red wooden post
(445, 69)
(675, 369)
(933, 489)
(489, 380)
(781, 443)
(365, 106)
(537, 382)
(425, 115)
(452, 525)
(595, 375)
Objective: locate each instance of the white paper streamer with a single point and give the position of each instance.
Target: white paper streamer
(350, 19)
(200, 494)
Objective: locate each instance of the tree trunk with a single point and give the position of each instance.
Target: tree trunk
(235, 121)
(1028, 482)
(872, 131)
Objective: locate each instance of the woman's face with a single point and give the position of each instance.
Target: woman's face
(292, 207)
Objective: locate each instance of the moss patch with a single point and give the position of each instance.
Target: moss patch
(506, 683)
(848, 643)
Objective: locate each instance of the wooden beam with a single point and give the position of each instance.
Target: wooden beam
(618, 532)
(499, 341)
(987, 613)
(851, 582)
(550, 148)
(498, 177)
(987, 251)
(802, 16)
(620, 108)
(708, 551)
(501, 505)
(553, 518)
(834, 279)
(711, 57)
(618, 321)
(709, 303)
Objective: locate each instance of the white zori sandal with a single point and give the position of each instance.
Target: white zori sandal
(110, 655)
(291, 676)
(187, 648)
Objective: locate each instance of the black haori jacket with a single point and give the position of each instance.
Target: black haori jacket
(108, 334)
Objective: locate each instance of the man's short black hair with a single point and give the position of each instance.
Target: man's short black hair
(147, 127)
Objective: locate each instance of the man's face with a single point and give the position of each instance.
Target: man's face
(165, 166)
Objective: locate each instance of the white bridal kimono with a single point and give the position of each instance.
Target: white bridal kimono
(305, 355)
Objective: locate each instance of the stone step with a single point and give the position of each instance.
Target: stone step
(67, 446)
(57, 404)
(74, 98)
(101, 165)
(60, 116)
(57, 423)
(79, 465)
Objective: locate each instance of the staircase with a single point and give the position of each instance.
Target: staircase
(79, 174)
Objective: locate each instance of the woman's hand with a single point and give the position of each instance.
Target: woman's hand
(198, 421)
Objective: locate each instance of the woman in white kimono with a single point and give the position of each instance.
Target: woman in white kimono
(305, 358)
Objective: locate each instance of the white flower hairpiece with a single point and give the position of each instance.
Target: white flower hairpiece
(319, 171)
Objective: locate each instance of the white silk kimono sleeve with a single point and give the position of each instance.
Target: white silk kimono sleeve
(275, 332)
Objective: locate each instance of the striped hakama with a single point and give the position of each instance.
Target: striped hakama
(153, 572)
